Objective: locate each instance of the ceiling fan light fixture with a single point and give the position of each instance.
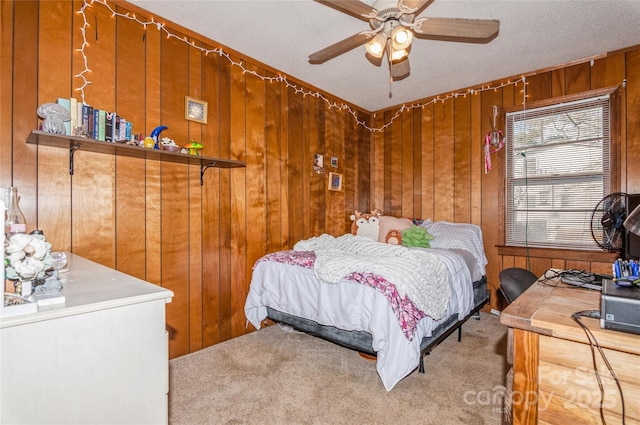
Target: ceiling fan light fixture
(401, 38)
(397, 55)
(376, 46)
(393, 25)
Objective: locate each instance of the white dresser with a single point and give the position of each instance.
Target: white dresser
(101, 358)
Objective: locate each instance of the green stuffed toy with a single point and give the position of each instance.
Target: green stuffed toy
(416, 236)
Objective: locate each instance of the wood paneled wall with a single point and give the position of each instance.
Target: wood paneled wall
(430, 163)
(155, 221)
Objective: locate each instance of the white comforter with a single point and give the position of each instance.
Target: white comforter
(417, 274)
(352, 306)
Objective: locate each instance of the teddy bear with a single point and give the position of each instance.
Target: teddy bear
(394, 237)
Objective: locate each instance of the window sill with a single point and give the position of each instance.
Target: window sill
(566, 254)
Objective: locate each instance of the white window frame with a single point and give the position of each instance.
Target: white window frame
(527, 219)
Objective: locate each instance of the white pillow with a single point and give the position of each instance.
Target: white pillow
(458, 236)
(388, 223)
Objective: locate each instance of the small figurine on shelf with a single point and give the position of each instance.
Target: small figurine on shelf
(155, 135)
(193, 148)
(136, 140)
(149, 143)
(54, 116)
(167, 144)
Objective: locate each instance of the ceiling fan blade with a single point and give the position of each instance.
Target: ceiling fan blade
(341, 47)
(472, 30)
(400, 69)
(354, 8)
(416, 6)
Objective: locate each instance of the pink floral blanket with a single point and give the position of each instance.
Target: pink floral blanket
(406, 312)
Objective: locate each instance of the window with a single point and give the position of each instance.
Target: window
(558, 163)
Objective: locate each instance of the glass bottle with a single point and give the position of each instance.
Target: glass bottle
(14, 220)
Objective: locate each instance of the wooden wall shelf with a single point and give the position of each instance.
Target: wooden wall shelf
(74, 143)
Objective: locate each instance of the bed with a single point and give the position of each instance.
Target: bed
(368, 304)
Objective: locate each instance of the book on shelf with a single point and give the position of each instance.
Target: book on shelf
(121, 129)
(128, 131)
(87, 120)
(73, 113)
(109, 124)
(102, 121)
(102, 125)
(81, 130)
(99, 122)
(96, 124)
(66, 103)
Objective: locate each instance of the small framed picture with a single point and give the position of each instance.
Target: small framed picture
(335, 181)
(334, 162)
(318, 163)
(195, 110)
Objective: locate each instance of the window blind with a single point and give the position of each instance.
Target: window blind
(557, 166)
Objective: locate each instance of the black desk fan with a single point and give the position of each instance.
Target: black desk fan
(607, 222)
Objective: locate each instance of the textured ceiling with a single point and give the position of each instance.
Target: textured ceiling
(534, 34)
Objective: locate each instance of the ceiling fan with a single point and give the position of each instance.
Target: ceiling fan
(393, 26)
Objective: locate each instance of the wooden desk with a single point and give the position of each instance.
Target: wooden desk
(553, 373)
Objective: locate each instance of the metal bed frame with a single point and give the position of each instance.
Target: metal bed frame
(362, 341)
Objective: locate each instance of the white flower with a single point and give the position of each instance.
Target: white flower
(16, 256)
(27, 257)
(29, 245)
(17, 243)
(28, 268)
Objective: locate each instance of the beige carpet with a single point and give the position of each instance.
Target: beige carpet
(276, 377)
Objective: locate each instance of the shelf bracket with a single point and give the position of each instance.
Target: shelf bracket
(204, 168)
(72, 151)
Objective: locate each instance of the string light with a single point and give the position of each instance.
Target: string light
(82, 75)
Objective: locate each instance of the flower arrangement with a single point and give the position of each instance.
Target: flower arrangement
(27, 257)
